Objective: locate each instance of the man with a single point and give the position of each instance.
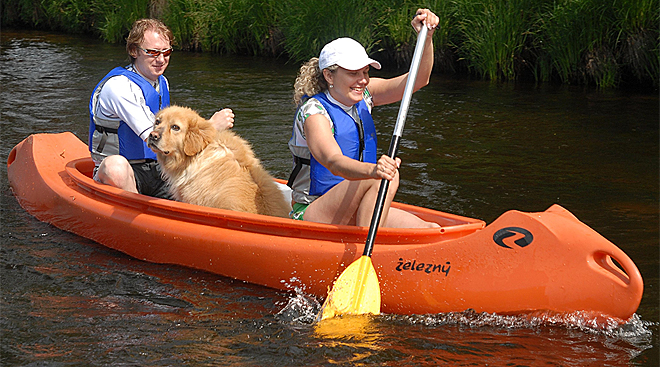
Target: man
(122, 110)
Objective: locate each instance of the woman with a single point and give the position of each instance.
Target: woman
(337, 175)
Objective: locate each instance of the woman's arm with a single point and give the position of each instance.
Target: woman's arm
(386, 91)
(326, 151)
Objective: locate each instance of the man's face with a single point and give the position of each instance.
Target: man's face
(152, 66)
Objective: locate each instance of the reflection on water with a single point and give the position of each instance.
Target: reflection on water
(472, 148)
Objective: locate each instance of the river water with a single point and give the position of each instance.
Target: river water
(470, 147)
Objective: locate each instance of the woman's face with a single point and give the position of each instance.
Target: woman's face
(347, 85)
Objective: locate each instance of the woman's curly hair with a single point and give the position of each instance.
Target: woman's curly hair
(310, 81)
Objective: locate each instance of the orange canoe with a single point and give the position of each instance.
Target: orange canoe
(520, 263)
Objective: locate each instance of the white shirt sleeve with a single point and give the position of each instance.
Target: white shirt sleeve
(123, 100)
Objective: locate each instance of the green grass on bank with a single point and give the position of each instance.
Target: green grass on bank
(607, 43)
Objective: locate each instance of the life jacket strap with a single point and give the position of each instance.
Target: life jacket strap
(104, 138)
(299, 163)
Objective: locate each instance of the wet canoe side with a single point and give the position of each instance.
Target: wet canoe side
(565, 267)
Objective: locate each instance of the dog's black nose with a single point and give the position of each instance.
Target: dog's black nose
(154, 136)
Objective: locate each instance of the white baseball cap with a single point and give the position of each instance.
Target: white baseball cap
(347, 53)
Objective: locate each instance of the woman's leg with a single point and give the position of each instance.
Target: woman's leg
(402, 219)
(351, 202)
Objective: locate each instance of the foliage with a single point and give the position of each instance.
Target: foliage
(593, 41)
(636, 27)
(575, 41)
(117, 17)
(109, 19)
(605, 43)
(307, 26)
(233, 26)
(494, 35)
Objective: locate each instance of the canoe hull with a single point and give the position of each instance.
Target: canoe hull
(522, 262)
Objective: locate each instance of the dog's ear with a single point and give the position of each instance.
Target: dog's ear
(200, 133)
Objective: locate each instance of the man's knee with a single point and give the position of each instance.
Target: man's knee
(115, 170)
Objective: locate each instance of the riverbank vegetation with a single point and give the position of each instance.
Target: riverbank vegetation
(607, 43)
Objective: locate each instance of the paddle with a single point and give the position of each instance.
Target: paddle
(357, 291)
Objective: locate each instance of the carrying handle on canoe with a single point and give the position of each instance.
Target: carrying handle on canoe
(396, 137)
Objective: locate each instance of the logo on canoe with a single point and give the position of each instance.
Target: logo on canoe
(423, 267)
(517, 235)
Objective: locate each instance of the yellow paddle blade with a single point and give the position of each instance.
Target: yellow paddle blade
(355, 292)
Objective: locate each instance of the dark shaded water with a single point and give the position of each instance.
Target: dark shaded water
(472, 148)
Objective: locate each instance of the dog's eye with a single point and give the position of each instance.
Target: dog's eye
(157, 122)
(175, 128)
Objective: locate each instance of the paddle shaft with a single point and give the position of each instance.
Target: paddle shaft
(394, 144)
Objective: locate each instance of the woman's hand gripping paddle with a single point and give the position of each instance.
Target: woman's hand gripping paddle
(357, 291)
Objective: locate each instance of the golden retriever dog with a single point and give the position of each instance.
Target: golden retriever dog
(212, 168)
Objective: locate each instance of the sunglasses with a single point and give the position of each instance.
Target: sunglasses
(156, 53)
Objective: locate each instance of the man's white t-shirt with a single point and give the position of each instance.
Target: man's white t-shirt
(122, 100)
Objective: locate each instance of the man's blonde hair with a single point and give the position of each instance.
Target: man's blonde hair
(136, 35)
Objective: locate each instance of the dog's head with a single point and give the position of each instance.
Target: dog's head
(180, 131)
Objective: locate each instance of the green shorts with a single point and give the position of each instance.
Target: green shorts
(298, 211)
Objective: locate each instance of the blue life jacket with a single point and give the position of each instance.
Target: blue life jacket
(107, 137)
(355, 142)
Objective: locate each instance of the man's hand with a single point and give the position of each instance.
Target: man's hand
(223, 119)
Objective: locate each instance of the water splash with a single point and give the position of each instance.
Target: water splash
(301, 309)
(587, 322)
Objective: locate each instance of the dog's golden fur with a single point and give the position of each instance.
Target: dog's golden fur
(212, 168)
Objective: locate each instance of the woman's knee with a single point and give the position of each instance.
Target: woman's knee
(395, 180)
(394, 185)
